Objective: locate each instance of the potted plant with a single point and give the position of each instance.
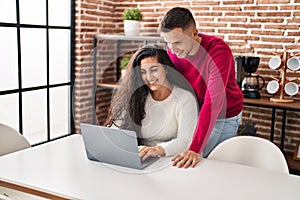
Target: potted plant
(247, 128)
(132, 24)
(123, 64)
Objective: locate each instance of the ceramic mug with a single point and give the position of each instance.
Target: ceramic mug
(293, 63)
(273, 87)
(275, 62)
(291, 88)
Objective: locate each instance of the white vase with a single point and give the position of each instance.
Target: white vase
(132, 27)
(123, 72)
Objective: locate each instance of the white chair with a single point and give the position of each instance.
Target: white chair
(251, 151)
(11, 140)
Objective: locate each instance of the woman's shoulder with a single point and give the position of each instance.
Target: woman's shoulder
(182, 93)
(186, 98)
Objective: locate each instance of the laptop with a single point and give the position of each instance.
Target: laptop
(113, 146)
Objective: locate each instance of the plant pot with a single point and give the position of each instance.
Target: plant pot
(123, 72)
(132, 27)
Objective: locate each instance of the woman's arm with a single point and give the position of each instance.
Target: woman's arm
(187, 115)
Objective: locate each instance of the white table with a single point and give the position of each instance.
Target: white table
(61, 168)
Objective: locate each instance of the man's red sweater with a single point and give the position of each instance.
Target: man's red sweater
(211, 73)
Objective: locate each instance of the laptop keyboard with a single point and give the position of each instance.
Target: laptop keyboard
(148, 161)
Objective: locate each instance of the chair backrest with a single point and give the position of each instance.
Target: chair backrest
(251, 151)
(11, 140)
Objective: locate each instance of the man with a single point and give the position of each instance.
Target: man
(208, 64)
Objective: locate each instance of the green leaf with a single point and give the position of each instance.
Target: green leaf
(132, 14)
(124, 62)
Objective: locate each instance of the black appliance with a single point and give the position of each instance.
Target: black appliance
(251, 83)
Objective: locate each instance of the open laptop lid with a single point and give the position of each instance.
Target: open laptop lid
(109, 145)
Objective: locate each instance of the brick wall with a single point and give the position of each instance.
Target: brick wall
(250, 27)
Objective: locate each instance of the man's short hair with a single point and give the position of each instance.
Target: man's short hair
(177, 17)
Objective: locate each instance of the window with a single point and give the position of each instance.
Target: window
(35, 74)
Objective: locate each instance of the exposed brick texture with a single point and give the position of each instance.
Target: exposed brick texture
(250, 27)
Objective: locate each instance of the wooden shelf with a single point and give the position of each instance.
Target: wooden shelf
(265, 101)
(129, 38)
(107, 85)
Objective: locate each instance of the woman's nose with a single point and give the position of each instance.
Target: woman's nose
(149, 76)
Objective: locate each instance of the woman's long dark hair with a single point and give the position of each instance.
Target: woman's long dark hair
(127, 109)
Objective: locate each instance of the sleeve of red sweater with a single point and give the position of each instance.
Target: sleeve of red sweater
(215, 65)
(218, 64)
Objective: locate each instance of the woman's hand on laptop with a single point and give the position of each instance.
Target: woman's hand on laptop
(146, 152)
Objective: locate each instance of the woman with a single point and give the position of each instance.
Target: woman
(156, 102)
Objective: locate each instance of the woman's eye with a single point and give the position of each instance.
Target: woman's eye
(154, 69)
